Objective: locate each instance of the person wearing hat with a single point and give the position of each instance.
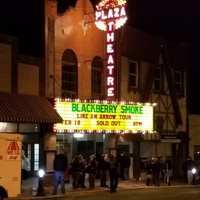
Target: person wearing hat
(92, 170)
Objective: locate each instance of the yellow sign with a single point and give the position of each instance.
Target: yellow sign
(104, 117)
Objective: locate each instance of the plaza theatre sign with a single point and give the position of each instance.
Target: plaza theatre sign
(109, 16)
(94, 116)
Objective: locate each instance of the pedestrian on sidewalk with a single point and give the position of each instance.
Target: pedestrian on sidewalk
(104, 167)
(60, 164)
(156, 171)
(26, 166)
(113, 173)
(149, 171)
(92, 170)
(81, 181)
(167, 166)
(75, 171)
(190, 166)
(125, 163)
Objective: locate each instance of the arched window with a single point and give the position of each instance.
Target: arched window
(97, 78)
(69, 75)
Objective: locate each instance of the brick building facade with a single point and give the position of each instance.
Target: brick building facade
(159, 76)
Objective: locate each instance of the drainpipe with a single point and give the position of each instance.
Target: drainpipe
(187, 112)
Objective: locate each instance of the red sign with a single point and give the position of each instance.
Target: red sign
(110, 15)
(13, 151)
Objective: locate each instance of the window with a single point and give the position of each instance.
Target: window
(97, 77)
(178, 81)
(36, 157)
(133, 74)
(69, 75)
(29, 153)
(159, 123)
(157, 80)
(197, 155)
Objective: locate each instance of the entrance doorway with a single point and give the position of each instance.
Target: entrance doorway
(121, 149)
(86, 148)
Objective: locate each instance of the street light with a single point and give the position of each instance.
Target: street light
(194, 170)
(40, 190)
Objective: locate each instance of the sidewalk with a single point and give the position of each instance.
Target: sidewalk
(29, 188)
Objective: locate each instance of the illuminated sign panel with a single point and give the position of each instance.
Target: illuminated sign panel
(104, 117)
(109, 16)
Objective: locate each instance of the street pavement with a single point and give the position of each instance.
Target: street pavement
(30, 188)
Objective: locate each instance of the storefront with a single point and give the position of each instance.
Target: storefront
(93, 126)
(32, 116)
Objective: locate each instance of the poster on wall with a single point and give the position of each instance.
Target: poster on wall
(49, 161)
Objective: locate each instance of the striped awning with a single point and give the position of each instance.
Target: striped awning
(27, 109)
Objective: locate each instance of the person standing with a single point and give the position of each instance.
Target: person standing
(26, 166)
(83, 163)
(125, 163)
(92, 170)
(190, 166)
(103, 167)
(156, 171)
(60, 164)
(76, 171)
(166, 170)
(113, 173)
(149, 172)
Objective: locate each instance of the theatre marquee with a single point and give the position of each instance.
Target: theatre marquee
(104, 116)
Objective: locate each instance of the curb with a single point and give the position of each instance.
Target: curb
(74, 193)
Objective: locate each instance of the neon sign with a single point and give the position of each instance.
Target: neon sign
(104, 116)
(109, 16)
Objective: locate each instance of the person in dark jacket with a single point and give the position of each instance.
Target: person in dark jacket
(156, 171)
(190, 166)
(113, 173)
(76, 171)
(167, 166)
(81, 180)
(149, 172)
(125, 163)
(92, 170)
(104, 167)
(60, 164)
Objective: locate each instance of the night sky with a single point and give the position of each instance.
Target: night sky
(22, 19)
(179, 20)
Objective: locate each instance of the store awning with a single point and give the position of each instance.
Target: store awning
(27, 109)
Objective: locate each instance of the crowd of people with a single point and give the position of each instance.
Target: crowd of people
(108, 167)
(156, 167)
(162, 167)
